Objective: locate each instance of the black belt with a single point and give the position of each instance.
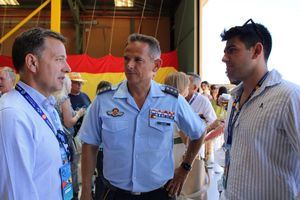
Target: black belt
(119, 190)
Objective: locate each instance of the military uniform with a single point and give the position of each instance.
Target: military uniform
(138, 143)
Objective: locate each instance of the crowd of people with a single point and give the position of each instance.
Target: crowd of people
(141, 139)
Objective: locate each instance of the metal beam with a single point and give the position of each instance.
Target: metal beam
(12, 31)
(74, 7)
(55, 15)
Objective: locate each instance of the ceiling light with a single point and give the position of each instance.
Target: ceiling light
(124, 3)
(9, 2)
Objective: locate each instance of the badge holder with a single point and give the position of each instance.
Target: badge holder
(66, 181)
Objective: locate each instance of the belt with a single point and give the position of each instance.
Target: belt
(178, 140)
(119, 190)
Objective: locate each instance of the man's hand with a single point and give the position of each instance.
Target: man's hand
(175, 185)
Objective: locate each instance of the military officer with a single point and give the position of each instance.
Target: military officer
(134, 120)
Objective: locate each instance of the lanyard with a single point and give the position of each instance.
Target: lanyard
(233, 118)
(59, 134)
(193, 99)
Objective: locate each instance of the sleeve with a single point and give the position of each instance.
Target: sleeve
(90, 130)
(292, 120)
(17, 156)
(188, 121)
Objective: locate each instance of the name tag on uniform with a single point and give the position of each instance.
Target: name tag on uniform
(66, 181)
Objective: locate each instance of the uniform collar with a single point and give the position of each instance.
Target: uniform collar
(122, 90)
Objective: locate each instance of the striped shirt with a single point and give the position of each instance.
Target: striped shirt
(265, 151)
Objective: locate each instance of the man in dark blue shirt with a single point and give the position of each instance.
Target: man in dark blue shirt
(78, 99)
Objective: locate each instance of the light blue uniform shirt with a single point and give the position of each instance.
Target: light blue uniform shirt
(138, 148)
(29, 151)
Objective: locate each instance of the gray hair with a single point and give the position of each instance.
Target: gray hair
(196, 79)
(10, 72)
(153, 43)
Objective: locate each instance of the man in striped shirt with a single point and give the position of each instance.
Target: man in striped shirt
(262, 134)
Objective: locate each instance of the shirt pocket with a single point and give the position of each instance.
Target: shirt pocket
(161, 136)
(114, 125)
(115, 134)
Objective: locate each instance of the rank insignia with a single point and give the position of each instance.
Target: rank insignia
(115, 112)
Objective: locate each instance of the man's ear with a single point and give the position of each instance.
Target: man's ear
(31, 62)
(258, 49)
(195, 87)
(157, 63)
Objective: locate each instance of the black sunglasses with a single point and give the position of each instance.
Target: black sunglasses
(259, 34)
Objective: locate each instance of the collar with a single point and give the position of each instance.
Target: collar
(273, 78)
(193, 97)
(122, 90)
(37, 96)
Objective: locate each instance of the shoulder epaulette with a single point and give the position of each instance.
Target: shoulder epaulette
(104, 89)
(170, 90)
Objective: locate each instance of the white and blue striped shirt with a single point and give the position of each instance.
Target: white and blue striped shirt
(265, 151)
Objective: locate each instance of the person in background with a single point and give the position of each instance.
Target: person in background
(34, 154)
(7, 79)
(99, 181)
(262, 133)
(214, 89)
(202, 106)
(220, 109)
(196, 181)
(69, 117)
(205, 89)
(180, 81)
(79, 100)
(134, 121)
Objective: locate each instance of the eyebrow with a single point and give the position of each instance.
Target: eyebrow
(229, 46)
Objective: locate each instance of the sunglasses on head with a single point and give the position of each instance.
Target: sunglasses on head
(256, 29)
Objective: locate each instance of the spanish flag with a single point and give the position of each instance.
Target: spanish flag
(108, 68)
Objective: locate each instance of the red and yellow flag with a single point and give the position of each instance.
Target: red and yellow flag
(108, 68)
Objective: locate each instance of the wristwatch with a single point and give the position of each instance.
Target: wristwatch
(186, 166)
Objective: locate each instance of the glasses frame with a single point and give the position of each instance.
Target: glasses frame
(259, 34)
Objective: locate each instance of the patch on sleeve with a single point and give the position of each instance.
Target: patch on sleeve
(170, 90)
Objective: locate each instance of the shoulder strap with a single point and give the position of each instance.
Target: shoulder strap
(105, 89)
(170, 90)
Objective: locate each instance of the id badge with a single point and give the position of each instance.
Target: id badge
(66, 181)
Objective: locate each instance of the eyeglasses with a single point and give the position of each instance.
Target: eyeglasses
(259, 34)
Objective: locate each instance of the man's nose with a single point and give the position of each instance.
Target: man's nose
(224, 58)
(67, 68)
(130, 64)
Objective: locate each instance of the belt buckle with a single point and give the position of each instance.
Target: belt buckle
(135, 193)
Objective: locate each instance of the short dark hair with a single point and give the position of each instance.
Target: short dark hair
(151, 41)
(31, 41)
(250, 34)
(222, 90)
